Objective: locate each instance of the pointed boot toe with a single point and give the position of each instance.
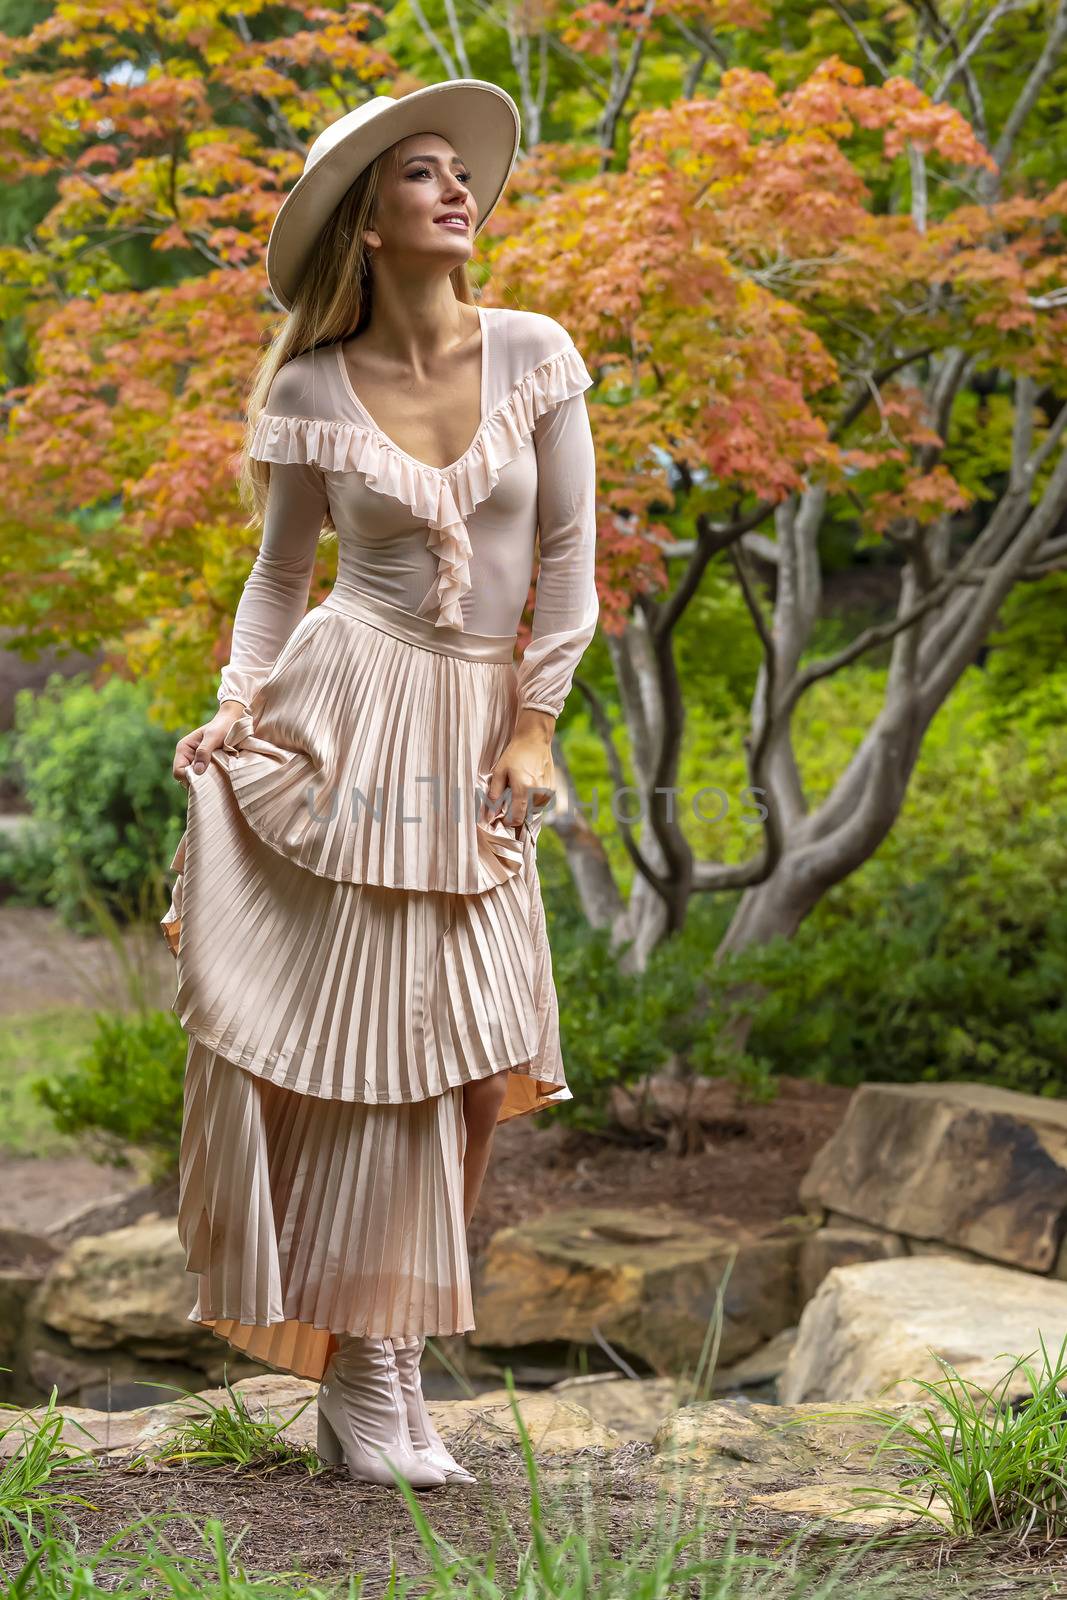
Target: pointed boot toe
(425, 1439)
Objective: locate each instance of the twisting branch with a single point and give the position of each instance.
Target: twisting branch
(602, 725)
(1042, 70)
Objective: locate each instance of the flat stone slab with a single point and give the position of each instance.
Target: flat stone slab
(795, 1464)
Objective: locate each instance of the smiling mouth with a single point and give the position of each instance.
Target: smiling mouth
(457, 223)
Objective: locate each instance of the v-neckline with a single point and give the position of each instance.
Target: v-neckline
(424, 466)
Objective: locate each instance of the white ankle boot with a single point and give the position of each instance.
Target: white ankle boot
(363, 1416)
(425, 1439)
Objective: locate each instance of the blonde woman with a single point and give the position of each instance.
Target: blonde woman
(363, 969)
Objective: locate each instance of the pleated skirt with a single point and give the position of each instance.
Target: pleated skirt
(355, 942)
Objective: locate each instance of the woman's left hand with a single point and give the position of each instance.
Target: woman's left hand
(527, 769)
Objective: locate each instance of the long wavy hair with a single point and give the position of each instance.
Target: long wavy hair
(333, 302)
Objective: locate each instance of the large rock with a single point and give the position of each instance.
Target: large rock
(815, 1463)
(107, 1213)
(126, 1288)
(762, 1367)
(632, 1408)
(839, 1246)
(981, 1168)
(881, 1323)
(646, 1283)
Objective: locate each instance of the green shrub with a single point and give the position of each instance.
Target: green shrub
(126, 1090)
(1024, 684)
(27, 864)
(960, 975)
(616, 1026)
(10, 773)
(97, 775)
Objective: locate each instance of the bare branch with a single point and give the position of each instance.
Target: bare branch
(869, 639)
(1022, 428)
(437, 45)
(622, 85)
(1047, 445)
(459, 43)
(943, 670)
(1042, 70)
(602, 723)
(870, 383)
(883, 68)
(705, 49)
(762, 548)
(949, 37)
(919, 202)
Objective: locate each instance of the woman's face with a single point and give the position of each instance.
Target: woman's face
(428, 182)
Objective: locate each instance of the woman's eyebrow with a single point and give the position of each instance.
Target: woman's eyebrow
(407, 159)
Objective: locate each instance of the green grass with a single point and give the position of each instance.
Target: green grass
(229, 1434)
(29, 1502)
(32, 1044)
(998, 1467)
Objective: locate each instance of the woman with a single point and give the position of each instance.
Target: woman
(363, 968)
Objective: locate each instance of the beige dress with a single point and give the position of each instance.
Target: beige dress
(354, 940)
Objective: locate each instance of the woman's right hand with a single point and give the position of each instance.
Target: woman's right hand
(195, 749)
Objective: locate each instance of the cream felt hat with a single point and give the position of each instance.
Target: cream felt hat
(479, 119)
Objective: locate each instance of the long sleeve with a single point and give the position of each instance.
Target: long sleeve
(566, 607)
(275, 594)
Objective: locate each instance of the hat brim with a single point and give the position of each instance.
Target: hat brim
(478, 118)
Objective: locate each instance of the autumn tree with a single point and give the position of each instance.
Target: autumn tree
(778, 353)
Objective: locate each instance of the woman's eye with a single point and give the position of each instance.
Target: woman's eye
(419, 171)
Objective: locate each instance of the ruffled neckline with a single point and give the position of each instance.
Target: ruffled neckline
(442, 497)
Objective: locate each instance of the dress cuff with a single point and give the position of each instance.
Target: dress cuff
(226, 693)
(540, 705)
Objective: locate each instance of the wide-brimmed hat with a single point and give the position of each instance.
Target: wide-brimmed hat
(479, 119)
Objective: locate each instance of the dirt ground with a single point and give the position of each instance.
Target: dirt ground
(43, 964)
(330, 1526)
(539, 1165)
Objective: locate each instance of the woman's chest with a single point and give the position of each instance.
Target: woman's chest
(507, 510)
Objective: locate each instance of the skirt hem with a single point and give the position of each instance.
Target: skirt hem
(307, 1365)
(558, 1095)
(320, 1327)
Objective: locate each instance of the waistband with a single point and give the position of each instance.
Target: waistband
(421, 631)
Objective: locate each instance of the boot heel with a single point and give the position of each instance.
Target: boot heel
(328, 1444)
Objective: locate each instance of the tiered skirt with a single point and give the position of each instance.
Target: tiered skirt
(355, 941)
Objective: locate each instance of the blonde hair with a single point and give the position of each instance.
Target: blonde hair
(333, 302)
